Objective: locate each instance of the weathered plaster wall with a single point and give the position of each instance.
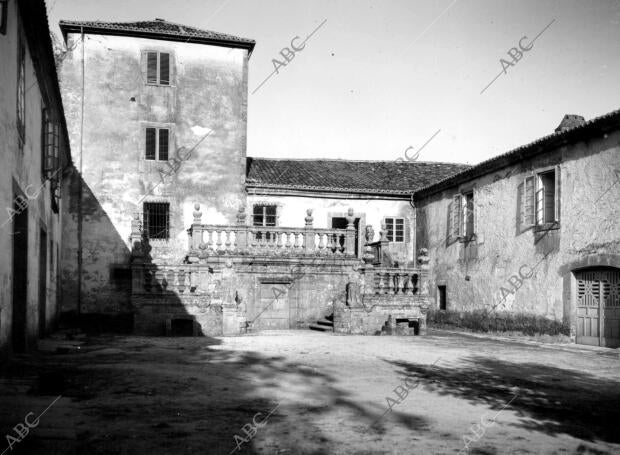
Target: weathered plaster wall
(371, 211)
(24, 168)
(208, 93)
(589, 234)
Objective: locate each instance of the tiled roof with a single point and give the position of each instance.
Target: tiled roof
(579, 131)
(350, 176)
(157, 28)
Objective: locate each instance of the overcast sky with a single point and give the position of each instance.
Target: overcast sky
(380, 76)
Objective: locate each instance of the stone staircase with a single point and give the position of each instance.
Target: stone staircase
(324, 325)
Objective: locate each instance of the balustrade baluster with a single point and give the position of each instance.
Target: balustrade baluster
(381, 285)
(228, 243)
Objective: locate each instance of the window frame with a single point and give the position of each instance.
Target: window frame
(158, 78)
(157, 142)
(264, 214)
(393, 229)
(50, 144)
(531, 204)
(21, 91)
(146, 225)
(458, 217)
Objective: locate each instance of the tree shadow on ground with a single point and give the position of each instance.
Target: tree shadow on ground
(549, 399)
(189, 395)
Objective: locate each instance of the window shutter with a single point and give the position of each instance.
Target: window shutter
(456, 217)
(164, 138)
(164, 68)
(528, 203)
(151, 67)
(150, 143)
(44, 122)
(557, 194)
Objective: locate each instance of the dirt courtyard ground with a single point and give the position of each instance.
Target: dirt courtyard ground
(327, 394)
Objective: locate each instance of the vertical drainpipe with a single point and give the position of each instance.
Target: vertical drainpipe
(80, 190)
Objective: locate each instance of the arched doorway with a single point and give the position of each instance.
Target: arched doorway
(597, 304)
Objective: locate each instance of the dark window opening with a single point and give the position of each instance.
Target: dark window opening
(157, 143)
(157, 220)
(3, 14)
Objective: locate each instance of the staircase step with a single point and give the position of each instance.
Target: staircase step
(320, 328)
(325, 322)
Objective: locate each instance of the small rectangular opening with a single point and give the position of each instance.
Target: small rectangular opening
(441, 297)
(181, 328)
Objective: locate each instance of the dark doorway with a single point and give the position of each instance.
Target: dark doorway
(341, 223)
(441, 292)
(42, 282)
(20, 273)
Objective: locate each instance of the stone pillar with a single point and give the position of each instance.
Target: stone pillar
(350, 236)
(195, 235)
(242, 234)
(423, 284)
(137, 251)
(383, 243)
(309, 232)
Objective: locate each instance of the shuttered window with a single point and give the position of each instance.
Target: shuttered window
(21, 93)
(540, 199)
(527, 202)
(454, 218)
(395, 229)
(157, 143)
(50, 145)
(158, 68)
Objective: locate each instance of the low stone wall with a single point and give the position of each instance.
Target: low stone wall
(382, 314)
(153, 313)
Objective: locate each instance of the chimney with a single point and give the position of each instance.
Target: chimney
(570, 121)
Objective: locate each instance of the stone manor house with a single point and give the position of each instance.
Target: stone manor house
(167, 223)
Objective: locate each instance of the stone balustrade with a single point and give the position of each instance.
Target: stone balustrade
(171, 279)
(209, 240)
(396, 281)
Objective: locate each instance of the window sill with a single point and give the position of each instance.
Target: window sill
(554, 226)
(467, 238)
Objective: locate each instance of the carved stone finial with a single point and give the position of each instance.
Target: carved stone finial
(370, 233)
(241, 215)
(309, 219)
(423, 258)
(197, 213)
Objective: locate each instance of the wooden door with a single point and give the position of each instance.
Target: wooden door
(598, 307)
